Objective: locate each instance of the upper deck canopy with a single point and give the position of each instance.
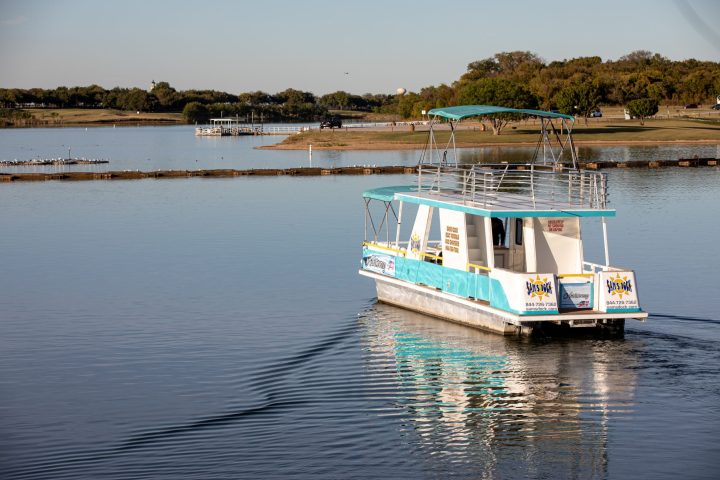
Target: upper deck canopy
(465, 111)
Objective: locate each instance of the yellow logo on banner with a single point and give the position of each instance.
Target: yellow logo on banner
(539, 288)
(415, 243)
(619, 286)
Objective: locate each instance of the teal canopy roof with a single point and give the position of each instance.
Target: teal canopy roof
(387, 194)
(465, 111)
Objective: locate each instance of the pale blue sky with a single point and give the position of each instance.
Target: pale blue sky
(270, 45)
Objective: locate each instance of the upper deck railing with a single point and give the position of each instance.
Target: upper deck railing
(516, 186)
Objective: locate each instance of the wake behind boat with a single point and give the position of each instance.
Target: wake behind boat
(498, 247)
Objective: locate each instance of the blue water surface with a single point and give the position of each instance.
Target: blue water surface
(217, 328)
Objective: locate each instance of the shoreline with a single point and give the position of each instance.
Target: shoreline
(415, 146)
(473, 135)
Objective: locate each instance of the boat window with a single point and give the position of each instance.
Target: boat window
(518, 231)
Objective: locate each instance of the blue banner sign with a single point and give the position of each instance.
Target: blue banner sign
(576, 295)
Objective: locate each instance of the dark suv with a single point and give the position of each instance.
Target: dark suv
(331, 123)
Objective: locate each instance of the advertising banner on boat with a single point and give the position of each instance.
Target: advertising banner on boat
(454, 243)
(617, 292)
(575, 295)
(540, 295)
(379, 263)
(524, 293)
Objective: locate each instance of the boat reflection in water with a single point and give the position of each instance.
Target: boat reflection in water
(503, 405)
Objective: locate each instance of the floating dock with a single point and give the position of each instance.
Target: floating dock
(310, 171)
(234, 127)
(222, 127)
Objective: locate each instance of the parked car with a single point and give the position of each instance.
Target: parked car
(691, 105)
(331, 123)
(716, 106)
(595, 114)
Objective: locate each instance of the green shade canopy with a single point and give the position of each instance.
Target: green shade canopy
(465, 111)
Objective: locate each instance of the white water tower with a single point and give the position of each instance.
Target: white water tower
(401, 91)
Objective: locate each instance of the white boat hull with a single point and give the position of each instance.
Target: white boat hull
(430, 301)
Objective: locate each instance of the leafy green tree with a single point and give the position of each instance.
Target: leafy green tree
(642, 108)
(136, 99)
(8, 97)
(636, 58)
(499, 92)
(436, 97)
(61, 95)
(378, 102)
(196, 112)
(660, 91)
(406, 104)
(166, 95)
(485, 68)
(295, 97)
(578, 99)
(516, 66)
(337, 100)
(255, 98)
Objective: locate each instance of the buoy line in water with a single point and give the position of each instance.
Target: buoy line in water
(39, 162)
(311, 171)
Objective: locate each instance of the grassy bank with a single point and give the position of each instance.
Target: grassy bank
(523, 133)
(84, 116)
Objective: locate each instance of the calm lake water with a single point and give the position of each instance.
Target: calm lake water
(217, 328)
(177, 148)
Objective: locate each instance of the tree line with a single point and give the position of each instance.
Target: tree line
(573, 86)
(519, 79)
(197, 106)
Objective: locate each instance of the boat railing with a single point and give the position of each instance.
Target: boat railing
(494, 185)
(590, 267)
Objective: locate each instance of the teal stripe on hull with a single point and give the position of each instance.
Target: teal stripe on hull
(452, 281)
(449, 280)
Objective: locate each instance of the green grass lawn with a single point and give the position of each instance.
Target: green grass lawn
(620, 131)
(81, 116)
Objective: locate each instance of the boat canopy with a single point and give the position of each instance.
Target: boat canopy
(387, 194)
(465, 111)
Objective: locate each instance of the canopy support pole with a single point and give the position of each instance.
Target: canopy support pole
(452, 136)
(367, 212)
(605, 243)
(399, 222)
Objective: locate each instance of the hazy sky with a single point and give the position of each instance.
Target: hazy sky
(270, 45)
